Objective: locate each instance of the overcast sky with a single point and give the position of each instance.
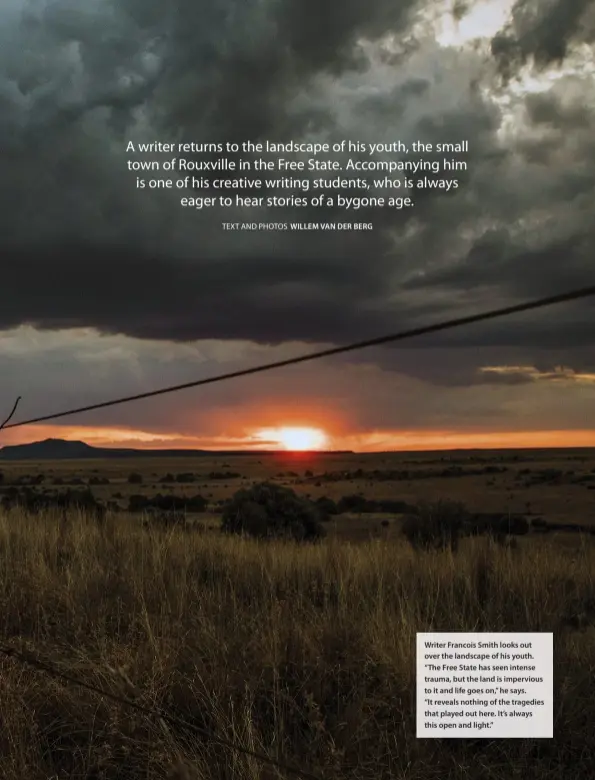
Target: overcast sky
(110, 290)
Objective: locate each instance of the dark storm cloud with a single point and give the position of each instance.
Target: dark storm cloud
(82, 247)
(557, 112)
(138, 294)
(495, 259)
(524, 374)
(542, 31)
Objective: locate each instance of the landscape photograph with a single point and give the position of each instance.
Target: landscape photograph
(241, 471)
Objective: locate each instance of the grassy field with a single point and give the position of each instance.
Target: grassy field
(303, 652)
(558, 485)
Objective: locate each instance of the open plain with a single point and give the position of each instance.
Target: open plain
(302, 652)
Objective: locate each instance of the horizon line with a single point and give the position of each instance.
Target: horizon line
(312, 452)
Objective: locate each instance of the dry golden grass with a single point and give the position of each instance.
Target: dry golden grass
(303, 652)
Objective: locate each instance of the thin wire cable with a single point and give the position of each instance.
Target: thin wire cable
(11, 415)
(30, 659)
(573, 295)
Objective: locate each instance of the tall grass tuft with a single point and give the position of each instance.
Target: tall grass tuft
(304, 652)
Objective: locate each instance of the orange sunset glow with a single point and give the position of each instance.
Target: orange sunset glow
(306, 438)
(295, 439)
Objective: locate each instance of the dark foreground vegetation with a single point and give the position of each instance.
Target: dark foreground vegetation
(305, 652)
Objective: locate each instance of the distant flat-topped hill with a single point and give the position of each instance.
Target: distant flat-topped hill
(61, 449)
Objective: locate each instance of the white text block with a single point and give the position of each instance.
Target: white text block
(492, 685)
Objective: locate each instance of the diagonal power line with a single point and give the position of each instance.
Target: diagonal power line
(573, 295)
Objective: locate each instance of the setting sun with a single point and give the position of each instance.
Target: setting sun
(296, 438)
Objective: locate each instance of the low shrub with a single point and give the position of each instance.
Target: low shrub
(266, 510)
